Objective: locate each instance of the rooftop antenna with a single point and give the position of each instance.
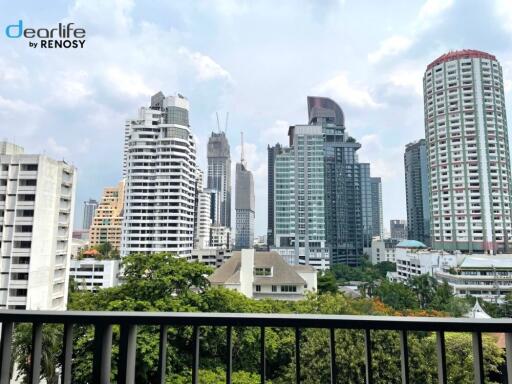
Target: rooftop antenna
(242, 154)
(218, 124)
(226, 127)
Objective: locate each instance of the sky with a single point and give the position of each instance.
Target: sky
(257, 60)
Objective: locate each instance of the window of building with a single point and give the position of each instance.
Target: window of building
(288, 288)
(263, 271)
(274, 288)
(258, 288)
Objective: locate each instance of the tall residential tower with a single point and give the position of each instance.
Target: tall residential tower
(416, 191)
(219, 177)
(36, 218)
(467, 153)
(244, 204)
(160, 169)
(90, 207)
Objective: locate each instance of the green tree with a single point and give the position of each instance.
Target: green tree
(397, 295)
(51, 348)
(425, 287)
(327, 282)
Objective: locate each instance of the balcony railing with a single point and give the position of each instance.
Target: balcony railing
(128, 322)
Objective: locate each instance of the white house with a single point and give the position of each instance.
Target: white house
(262, 275)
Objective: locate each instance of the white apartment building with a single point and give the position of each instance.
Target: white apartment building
(213, 257)
(160, 171)
(411, 263)
(384, 250)
(92, 274)
(36, 217)
(203, 221)
(261, 275)
(220, 237)
(468, 153)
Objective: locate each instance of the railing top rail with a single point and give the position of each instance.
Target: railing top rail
(259, 319)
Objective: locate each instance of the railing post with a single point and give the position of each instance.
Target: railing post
(404, 356)
(162, 355)
(67, 353)
(102, 353)
(297, 355)
(35, 353)
(334, 372)
(441, 358)
(5, 350)
(478, 364)
(127, 353)
(195, 355)
(229, 346)
(263, 372)
(508, 353)
(368, 356)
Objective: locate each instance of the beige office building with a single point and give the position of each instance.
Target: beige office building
(107, 223)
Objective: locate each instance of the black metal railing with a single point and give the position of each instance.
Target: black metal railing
(128, 322)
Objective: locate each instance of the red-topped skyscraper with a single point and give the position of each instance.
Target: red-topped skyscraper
(468, 153)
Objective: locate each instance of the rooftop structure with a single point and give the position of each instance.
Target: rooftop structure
(265, 275)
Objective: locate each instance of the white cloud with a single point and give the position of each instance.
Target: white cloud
(391, 46)
(504, 11)
(9, 106)
(340, 88)
(408, 77)
(428, 15)
(70, 88)
(385, 162)
(113, 15)
(127, 82)
(431, 10)
(55, 149)
(206, 68)
(276, 133)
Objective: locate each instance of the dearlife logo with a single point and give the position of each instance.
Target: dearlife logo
(63, 36)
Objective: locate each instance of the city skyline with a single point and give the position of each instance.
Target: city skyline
(374, 75)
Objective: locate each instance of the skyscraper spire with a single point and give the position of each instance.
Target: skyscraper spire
(242, 154)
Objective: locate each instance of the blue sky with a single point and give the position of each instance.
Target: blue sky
(257, 60)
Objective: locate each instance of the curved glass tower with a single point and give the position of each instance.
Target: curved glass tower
(468, 153)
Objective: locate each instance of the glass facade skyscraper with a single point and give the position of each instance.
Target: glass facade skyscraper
(416, 191)
(322, 194)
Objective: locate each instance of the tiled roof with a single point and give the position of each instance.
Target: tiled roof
(282, 272)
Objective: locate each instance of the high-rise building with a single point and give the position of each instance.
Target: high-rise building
(203, 221)
(244, 204)
(90, 207)
(107, 223)
(377, 217)
(416, 191)
(468, 153)
(398, 229)
(348, 192)
(219, 177)
(160, 179)
(36, 214)
(272, 151)
(322, 194)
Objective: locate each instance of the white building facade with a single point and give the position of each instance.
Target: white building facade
(487, 278)
(383, 250)
(91, 274)
(468, 153)
(160, 171)
(36, 214)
